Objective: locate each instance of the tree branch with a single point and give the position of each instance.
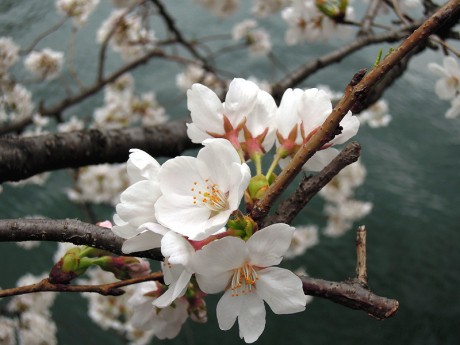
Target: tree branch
(356, 92)
(111, 289)
(349, 294)
(67, 230)
(22, 157)
(307, 189)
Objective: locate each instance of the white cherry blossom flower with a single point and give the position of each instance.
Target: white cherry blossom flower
(45, 64)
(9, 53)
(454, 110)
(449, 84)
(199, 194)
(221, 8)
(135, 218)
(300, 114)
(165, 323)
(258, 40)
(263, 8)
(304, 237)
(244, 270)
(78, 10)
(376, 115)
(245, 107)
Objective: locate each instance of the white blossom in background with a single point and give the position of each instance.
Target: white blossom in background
(201, 192)
(147, 108)
(121, 90)
(376, 115)
(78, 10)
(8, 329)
(341, 216)
(244, 269)
(17, 101)
(27, 245)
(264, 8)
(307, 23)
(164, 323)
(112, 116)
(196, 74)
(40, 302)
(45, 64)
(132, 38)
(303, 238)
(72, 124)
(454, 110)
(35, 324)
(343, 185)
(112, 312)
(221, 8)
(99, 184)
(36, 329)
(8, 53)
(256, 39)
(38, 126)
(449, 85)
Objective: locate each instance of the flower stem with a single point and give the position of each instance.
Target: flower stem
(257, 158)
(275, 162)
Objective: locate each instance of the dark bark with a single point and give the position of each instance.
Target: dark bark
(22, 157)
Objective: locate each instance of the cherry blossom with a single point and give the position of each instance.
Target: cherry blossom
(165, 323)
(300, 114)
(198, 195)
(245, 116)
(244, 270)
(449, 84)
(46, 64)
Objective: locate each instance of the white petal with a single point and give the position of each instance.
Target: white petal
(281, 289)
(177, 249)
(220, 256)
(240, 99)
(267, 246)
(124, 229)
(141, 166)
(444, 89)
(251, 318)
(137, 202)
(206, 109)
(451, 66)
(286, 117)
(262, 114)
(196, 134)
(438, 70)
(175, 290)
(228, 308)
(350, 126)
(314, 108)
(144, 241)
(215, 283)
(320, 159)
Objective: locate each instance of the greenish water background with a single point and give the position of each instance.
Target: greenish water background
(413, 182)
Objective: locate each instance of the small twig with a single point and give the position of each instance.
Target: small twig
(111, 289)
(368, 19)
(37, 40)
(445, 46)
(361, 266)
(70, 50)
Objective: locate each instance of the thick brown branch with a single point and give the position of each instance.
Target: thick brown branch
(67, 230)
(311, 185)
(355, 93)
(22, 157)
(111, 289)
(352, 295)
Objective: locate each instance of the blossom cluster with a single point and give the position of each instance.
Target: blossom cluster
(190, 206)
(448, 86)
